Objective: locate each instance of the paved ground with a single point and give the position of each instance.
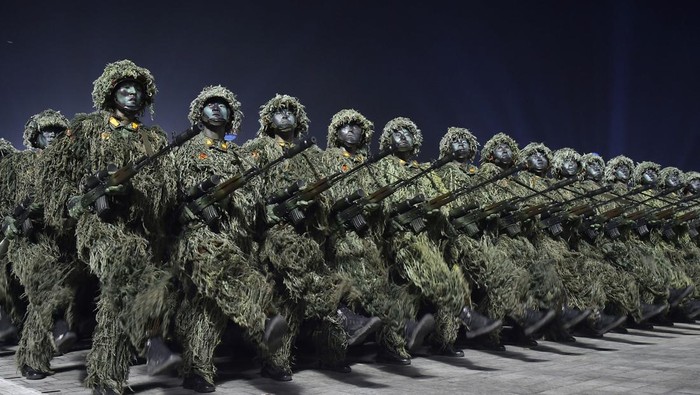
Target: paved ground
(665, 360)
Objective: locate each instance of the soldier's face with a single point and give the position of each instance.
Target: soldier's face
(537, 162)
(673, 180)
(649, 177)
(47, 135)
(569, 168)
(403, 139)
(694, 186)
(622, 173)
(128, 95)
(594, 171)
(349, 135)
(216, 112)
(284, 120)
(461, 150)
(503, 155)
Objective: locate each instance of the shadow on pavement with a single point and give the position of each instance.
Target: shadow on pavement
(405, 371)
(543, 348)
(632, 342)
(460, 363)
(589, 346)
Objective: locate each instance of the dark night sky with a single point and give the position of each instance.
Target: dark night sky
(606, 76)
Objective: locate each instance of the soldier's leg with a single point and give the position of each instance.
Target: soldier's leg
(199, 326)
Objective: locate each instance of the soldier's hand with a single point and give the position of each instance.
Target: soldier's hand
(9, 228)
(372, 207)
(75, 207)
(270, 217)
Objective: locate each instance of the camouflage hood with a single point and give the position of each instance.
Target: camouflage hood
(562, 155)
(641, 168)
(42, 120)
(218, 91)
(119, 71)
(667, 172)
(6, 148)
(455, 134)
(589, 158)
(347, 116)
(386, 139)
(535, 147)
(609, 174)
(495, 141)
(268, 109)
(690, 176)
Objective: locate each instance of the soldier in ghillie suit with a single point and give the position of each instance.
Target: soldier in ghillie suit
(416, 259)
(357, 255)
(585, 276)
(501, 153)
(621, 291)
(307, 291)
(12, 307)
(667, 253)
(498, 286)
(626, 252)
(122, 241)
(39, 257)
(213, 252)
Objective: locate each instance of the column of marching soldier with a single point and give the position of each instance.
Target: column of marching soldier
(171, 243)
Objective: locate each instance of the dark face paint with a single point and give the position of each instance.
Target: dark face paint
(216, 112)
(403, 139)
(128, 96)
(503, 155)
(594, 171)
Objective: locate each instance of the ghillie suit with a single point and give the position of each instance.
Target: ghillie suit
(627, 252)
(686, 241)
(124, 252)
(306, 290)
(215, 267)
(12, 305)
(416, 260)
(667, 252)
(499, 287)
(579, 274)
(545, 290)
(43, 262)
(621, 291)
(358, 256)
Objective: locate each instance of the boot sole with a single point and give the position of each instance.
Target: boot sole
(653, 313)
(540, 324)
(422, 330)
(66, 342)
(572, 323)
(274, 334)
(613, 325)
(360, 336)
(683, 295)
(482, 331)
(173, 362)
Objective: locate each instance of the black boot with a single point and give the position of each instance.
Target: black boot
(677, 295)
(572, 317)
(604, 323)
(159, 358)
(197, 383)
(340, 367)
(33, 374)
(557, 332)
(477, 324)
(63, 337)
(651, 310)
(275, 329)
(417, 331)
(276, 373)
(390, 357)
(357, 327)
(535, 320)
(104, 390)
(692, 309)
(7, 328)
(447, 351)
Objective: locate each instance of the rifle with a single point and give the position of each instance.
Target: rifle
(667, 229)
(640, 216)
(349, 211)
(511, 223)
(412, 212)
(587, 226)
(202, 197)
(288, 201)
(97, 184)
(553, 222)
